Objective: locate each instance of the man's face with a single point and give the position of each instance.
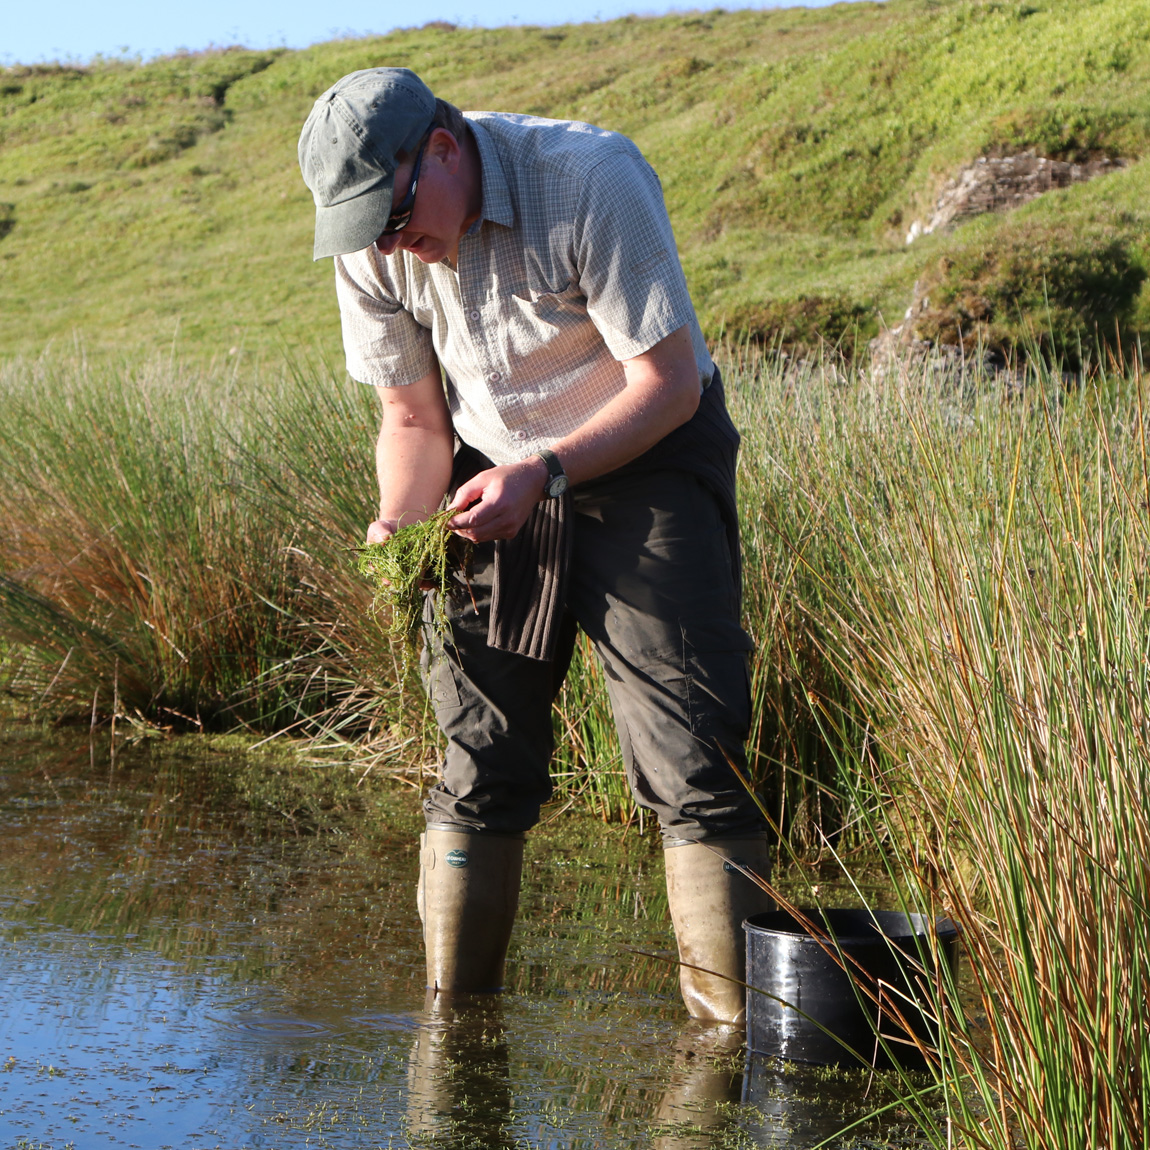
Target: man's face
(438, 216)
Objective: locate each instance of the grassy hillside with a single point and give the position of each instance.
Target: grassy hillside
(146, 203)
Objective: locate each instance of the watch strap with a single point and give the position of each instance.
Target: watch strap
(554, 467)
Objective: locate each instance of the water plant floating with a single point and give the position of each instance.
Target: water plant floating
(416, 557)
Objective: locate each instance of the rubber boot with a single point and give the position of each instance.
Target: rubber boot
(468, 895)
(709, 898)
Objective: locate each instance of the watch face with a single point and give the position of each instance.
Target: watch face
(556, 486)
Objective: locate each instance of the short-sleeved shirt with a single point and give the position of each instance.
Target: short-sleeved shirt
(570, 268)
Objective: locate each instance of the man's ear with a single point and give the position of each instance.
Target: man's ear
(445, 148)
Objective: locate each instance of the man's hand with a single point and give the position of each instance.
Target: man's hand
(381, 530)
(496, 503)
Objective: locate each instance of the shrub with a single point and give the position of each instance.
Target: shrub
(803, 322)
(1031, 286)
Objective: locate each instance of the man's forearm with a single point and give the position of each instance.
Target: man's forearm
(413, 466)
(662, 392)
(412, 454)
(623, 429)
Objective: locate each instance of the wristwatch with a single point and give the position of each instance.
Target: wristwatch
(557, 481)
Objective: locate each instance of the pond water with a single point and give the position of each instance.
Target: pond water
(196, 952)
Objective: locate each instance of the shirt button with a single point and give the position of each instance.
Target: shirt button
(521, 435)
(473, 314)
(494, 377)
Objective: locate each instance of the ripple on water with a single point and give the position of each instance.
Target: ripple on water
(273, 1025)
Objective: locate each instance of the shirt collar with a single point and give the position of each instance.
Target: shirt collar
(497, 206)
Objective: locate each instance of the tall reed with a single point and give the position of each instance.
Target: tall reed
(973, 571)
(179, 548)
(161, 560)
(587, 767)
(946, 581)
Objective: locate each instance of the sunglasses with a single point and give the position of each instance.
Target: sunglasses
(401, 214)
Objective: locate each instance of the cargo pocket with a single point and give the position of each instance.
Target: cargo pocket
(437, 664)
(719, 687)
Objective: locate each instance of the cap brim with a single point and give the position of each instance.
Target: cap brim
(352, 225)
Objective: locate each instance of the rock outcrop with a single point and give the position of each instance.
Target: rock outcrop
(995, 184)
(989, 184)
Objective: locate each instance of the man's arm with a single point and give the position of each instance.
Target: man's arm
(660, 394)
(412, 455)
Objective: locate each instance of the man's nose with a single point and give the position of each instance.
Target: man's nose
(388, 243)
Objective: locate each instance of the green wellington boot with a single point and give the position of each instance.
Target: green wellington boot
(468, 895)
(709, 898)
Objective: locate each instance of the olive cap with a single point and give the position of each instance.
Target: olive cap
(348, 149)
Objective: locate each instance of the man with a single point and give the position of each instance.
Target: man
(511, 287)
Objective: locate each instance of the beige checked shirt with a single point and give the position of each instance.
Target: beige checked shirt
(570, 268)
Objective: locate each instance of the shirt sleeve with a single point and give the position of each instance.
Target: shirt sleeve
(625, 251)
(384, 344)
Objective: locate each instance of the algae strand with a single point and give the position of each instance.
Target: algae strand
(417, 555)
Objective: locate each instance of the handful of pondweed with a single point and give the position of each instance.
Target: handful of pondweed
(416, 556)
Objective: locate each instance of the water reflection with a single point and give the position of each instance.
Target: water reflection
(197, 954)
(792, 1106)
(706, 1077)
(459, 1076)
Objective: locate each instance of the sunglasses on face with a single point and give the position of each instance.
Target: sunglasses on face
(401, 214)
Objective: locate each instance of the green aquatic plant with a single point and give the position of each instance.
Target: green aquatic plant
(417, 557)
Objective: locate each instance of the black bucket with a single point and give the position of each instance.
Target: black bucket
(812, 1006)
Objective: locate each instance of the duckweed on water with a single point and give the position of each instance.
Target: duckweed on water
(415, 556)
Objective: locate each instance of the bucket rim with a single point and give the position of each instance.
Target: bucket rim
(945, 929)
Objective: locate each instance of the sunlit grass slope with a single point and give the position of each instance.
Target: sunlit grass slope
(141, 203)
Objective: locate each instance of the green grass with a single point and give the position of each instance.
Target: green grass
(146, 205)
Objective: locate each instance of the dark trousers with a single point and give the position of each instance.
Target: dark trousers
(652, 586)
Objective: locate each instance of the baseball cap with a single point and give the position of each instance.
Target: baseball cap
(347, 152)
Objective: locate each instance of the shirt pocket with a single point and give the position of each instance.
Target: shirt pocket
(539, 318)
(544, 300)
